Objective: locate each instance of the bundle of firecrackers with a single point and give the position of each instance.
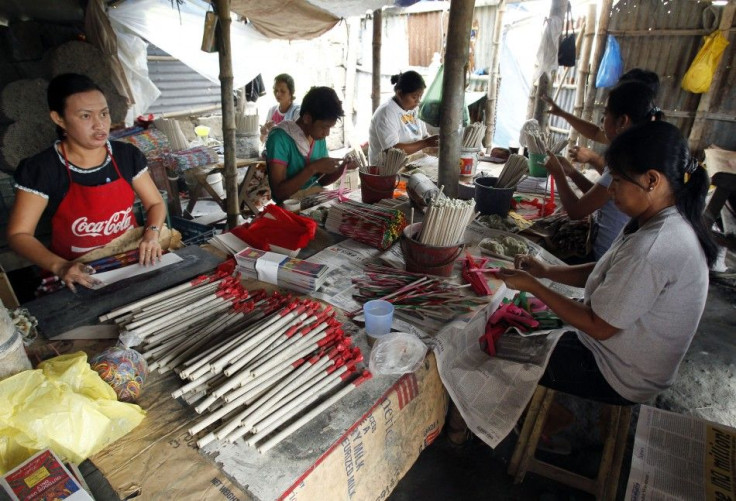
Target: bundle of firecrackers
(373, 225)
(473, 272)
(524, 313)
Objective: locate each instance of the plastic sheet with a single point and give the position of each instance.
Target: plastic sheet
(64, 406)
(397, 353)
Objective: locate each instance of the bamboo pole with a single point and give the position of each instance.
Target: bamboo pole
(351, 65)
(557, 9)
(696, 132)
(228, 111)
(583, 77)
(453, 93)
(376, 80)
(494, 81)
(600, 46)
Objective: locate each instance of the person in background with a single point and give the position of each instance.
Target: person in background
(593, 131)
(395, 123)
(86, 183)
(629, 103)
(296, 152)
(285, 107)
(644, 298)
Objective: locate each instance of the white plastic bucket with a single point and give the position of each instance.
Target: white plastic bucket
(215, 181)
(468, 161)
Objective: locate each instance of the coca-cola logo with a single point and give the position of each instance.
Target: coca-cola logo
(117, 223)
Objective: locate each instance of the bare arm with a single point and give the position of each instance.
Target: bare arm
(24, 218)
(415, 146)
(150, 248)
(575, 275)
(575, 175)
(577, 208)
(283, 188)
(587, 129)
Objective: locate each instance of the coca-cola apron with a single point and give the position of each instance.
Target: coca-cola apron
(91, 216)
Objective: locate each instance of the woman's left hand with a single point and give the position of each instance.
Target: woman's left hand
(149, 249)
(517, 279)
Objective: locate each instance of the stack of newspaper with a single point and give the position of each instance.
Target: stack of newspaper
(288, 272)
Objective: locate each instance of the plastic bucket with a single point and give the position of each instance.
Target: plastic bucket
(468, 161)
(536, 165)
(421, 258)
(374, 188)
(492, 200)
(215, 181)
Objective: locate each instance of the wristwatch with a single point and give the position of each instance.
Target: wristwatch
(153, 227)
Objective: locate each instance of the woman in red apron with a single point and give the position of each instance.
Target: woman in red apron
(88, 183)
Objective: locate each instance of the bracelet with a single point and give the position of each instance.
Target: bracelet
(153, 227)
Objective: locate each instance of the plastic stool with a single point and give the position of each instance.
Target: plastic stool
(605, 484)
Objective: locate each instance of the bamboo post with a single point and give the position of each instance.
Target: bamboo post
(351, 65)
(228, 112)
(376, 81)
(696, 133)
(545, 81)
(494, 81)
(453, 93)
(583, 77)
(600, 46)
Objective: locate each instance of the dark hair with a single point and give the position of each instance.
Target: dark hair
(408, 82)
(322, 103)
(288, 80)
(635, 100)
(647, 77)
(64, 85)
(660, 146)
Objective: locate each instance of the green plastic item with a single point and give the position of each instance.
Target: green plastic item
(430, 109)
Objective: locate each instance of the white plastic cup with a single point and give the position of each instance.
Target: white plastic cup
(292, 205)
(379, 315)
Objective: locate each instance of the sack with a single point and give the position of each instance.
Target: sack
(699, 76)
(612, 65)
(430, 109)
(566, 49)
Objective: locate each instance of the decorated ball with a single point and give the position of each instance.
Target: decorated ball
(123, 369)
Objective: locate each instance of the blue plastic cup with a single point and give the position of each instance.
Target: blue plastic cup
(379, 315)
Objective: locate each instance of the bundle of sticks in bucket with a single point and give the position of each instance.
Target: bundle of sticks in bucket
(372, 224)
(473, 135)
(413, 293)
(357, 156)
(445, 222)
(247, 124)
(514, 170)
(275, 362)
(390, 162)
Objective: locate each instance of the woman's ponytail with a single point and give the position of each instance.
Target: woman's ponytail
(690, 202)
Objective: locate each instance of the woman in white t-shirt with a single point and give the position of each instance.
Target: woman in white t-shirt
(285, 107)
(395, 123)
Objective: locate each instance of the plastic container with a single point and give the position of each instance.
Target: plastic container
(247, 145)
(375, 188)
(140, 214)
(536, 165)
(397, 353)
(192, 233)
(421, 258)
(292, 205)
(13, 358)
(379, 315)
(468, 161)
(215, 181)
(492, 200)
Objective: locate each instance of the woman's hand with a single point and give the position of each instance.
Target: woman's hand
(517, 279)
(533, 266)
(553, 164)
(326, 165)
(431, 141)
(567, 167)
(149, 249)
(582, 154)
(74, 272)
(553, 108)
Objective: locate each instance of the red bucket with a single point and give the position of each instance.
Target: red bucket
(375, 188)
(421, 258)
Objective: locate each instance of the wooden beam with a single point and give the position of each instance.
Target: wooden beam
(583, 63)
(600, 46)
(353, 27)
(696, 133)
(228, 111)
(494, 81)
(376, 81)
(557, 9)
(453, 93)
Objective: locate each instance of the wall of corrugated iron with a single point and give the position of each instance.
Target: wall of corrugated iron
(427, 31)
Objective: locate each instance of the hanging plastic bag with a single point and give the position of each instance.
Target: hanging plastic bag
(699, 76)
(430, 109)
(64, 406)
(612, 65)
(566, 50)
(548, 46)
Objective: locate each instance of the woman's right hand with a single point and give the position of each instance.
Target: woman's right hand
(326, 165)
(582, 154)
(531, 265)
(74, 272)
(553, 108)
(431, 141)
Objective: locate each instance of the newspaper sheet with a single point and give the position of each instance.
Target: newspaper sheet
(681, 457)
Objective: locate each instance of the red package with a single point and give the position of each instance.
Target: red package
(277, 226)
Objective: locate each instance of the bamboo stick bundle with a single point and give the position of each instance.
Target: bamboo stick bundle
(446, 221)
(473, 135)
(371, 224)
(514, 170)
(246, 123)
(390, 162)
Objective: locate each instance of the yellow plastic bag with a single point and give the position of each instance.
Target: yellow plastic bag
(699, 76)
(64, 406)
